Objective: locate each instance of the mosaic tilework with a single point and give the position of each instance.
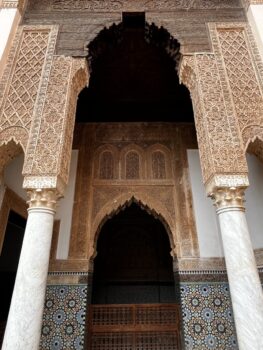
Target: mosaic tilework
(206, 312)
(207, 316)
(64, 317)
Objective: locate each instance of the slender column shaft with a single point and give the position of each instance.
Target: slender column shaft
(25, 315)
(245, 287)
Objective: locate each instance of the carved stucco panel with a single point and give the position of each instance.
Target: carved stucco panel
(219, 141)
(136, 5)
(19, 88)
(20, 83)
(237, 53)
(52, 151)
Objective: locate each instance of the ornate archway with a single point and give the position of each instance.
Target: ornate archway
(134, 298)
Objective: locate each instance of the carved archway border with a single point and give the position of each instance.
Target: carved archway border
(147, 203)
(9, 149)
(253, 140)
(17, 134)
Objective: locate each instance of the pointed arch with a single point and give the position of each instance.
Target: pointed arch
(147, 203)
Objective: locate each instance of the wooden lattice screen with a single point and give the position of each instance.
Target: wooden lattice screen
(134, 327)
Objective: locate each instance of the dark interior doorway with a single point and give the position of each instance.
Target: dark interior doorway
(133, 300)
(133, 264)
(9, 259)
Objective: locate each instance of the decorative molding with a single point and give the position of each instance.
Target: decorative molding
(51, 182)
(19, 4)
(69, 266)
(227, 181)
(67, 278)
(9, 4)
(199, 265)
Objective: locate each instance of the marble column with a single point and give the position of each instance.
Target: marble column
(24, 322)
(245, 287)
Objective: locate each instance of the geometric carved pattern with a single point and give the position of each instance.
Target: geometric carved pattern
(246, 91)
(20, 98)
(219, 143)
(20, 83)
(51, 141)
(238, 55)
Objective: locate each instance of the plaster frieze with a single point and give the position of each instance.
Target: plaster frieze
(135, 5)
(42, 182)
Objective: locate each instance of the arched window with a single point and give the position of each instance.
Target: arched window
(158, 165)
(132, 165)
(106, 166)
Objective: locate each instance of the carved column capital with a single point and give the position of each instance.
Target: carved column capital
(227, 198)
(228, 191)
(42, 198)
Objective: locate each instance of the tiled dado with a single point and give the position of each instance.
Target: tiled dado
(205, 301)
(65, 312)
(207, 316)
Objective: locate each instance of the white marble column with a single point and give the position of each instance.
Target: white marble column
(245, 288)
(24, 322)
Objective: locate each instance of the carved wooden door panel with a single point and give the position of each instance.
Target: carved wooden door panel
(134, 327)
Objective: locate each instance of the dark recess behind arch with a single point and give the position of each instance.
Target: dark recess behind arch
(133, 264)
(133, 76)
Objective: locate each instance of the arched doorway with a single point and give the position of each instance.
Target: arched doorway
(134, 303)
